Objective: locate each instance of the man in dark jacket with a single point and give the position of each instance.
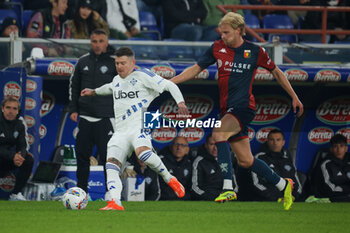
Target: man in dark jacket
(277, 158)
(183, 19)
(206, 174)
(333, 175)
(95, 113)
(13, 146)
(175, 159)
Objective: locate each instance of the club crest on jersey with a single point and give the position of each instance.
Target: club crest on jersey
(247, 53)
(117, 85)
(133, 81)
(223, 50)
(104, 69)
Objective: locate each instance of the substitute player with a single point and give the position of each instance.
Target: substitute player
(237, 61)
(133, 91)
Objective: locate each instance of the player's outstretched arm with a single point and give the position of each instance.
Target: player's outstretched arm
(177, 95)
(283, 81)
(187, 74)
(88, 92)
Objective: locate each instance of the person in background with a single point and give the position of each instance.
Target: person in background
(184, 20)
(9, 25)
(94, 115)
(48, 23)
(175, 158)
(214, 15)
(123, 25)
(85, 20)
(277, 158)
(206, 174)
(335, 21)
(14, 146)
(333, 174)
(151, 178)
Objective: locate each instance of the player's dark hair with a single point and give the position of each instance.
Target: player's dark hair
(124, 51)
(338, 139)
(276, 131)
(99, 31)
(10, 99)
(208, 136)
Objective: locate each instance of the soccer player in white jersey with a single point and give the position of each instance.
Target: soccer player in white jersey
(133, 91)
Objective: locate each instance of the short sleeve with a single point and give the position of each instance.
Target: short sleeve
(264, 60)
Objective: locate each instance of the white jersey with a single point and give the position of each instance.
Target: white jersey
(133, 94)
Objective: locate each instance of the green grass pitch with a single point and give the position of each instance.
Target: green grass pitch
(175, 216)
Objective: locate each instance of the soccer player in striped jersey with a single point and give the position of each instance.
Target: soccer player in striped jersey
(237, 61)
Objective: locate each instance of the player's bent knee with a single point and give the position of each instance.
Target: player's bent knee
(246, 162)
(141, 149)
(220, 136)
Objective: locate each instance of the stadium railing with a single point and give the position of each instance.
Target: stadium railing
(315, 53)
(323, 31)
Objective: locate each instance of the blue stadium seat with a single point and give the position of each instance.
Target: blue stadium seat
(148, 24)
(279, 22)
(17, 6)
(4, 13)
(26, 16)
(144, 52)
(251, 21)
(177, 53)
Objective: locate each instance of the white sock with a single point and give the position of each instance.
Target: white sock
(114, 184)
(227, 184)
(155, 163)
(281, 184)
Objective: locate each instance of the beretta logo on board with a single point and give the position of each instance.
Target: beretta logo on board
(164, 135)
(335, 111)
(30, 103)
(8, 182)
(31, 85)
(346, 132)
(192, 134)
(30, 121)
(270, 108)
(12, 89)
(47, 104)
(60, 68)
(165, 71)
(263, 75)
(198, 106)
(320, 135)
(261, 135)
(294, 75)
(327, 75)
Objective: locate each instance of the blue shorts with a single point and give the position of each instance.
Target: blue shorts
(244, 117)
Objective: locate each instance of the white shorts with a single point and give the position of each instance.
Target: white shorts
(123, 143)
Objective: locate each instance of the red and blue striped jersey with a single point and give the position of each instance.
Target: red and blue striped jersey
(236, 71)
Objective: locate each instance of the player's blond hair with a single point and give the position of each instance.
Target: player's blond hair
(235, 20)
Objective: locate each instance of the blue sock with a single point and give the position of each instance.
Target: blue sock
(224, 160)
(263, 170)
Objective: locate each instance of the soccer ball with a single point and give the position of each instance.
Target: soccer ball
(75, 198)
